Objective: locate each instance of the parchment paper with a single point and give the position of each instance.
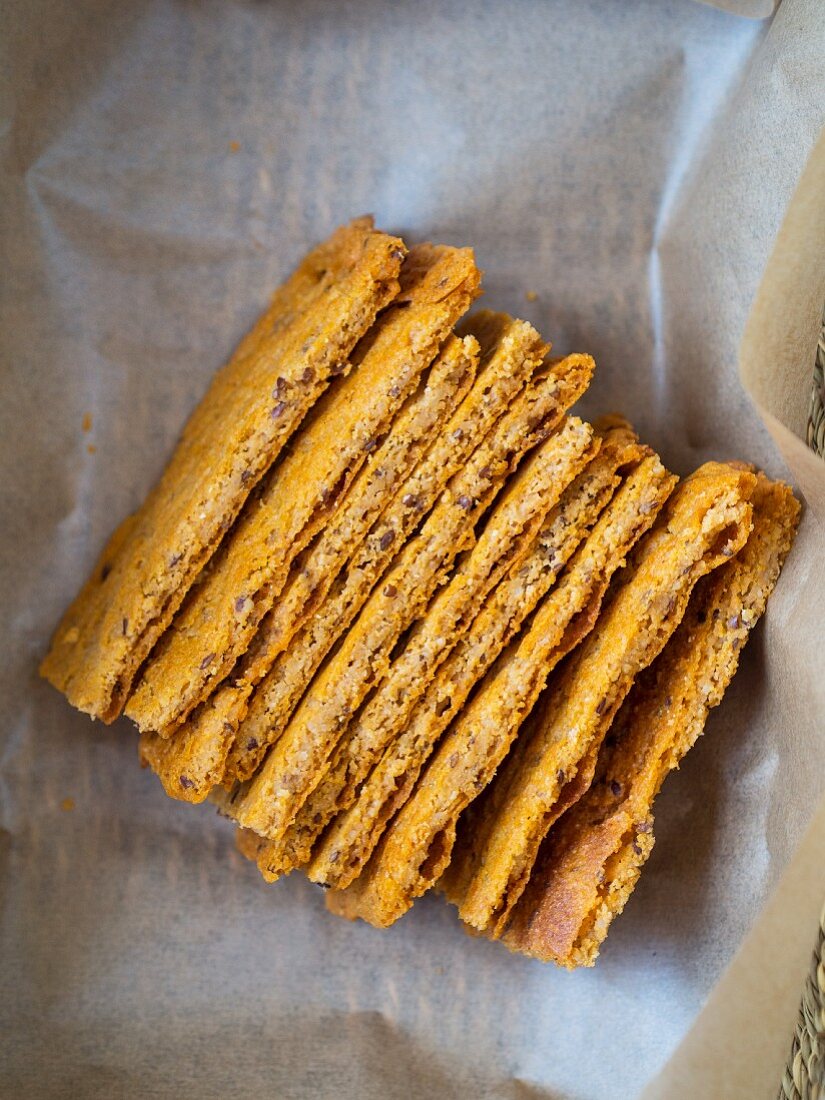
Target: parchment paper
(164, 165)
(776, 363)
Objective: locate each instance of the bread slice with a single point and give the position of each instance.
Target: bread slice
(508, 534)
(591, 859)
(249, 411)
(301, 756)
(368, 801)
(705, 522)
(510, 353)
(191, 762)
(301, 495)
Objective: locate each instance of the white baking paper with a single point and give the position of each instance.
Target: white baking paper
(164, 164)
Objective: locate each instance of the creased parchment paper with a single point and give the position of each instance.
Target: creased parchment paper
(163, 166)
(752, 9)
(778, 347)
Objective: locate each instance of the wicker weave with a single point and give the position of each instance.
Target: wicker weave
(804, 1077)
(816, 411)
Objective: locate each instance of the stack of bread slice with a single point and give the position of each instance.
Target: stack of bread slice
(411, 623)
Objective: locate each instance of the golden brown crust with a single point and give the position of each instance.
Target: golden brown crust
(298, 760)
(705, 522)
(366, 804)
(301, 494)
(417, 844)
(313, 323)
(510, 353)
(591, 859)
(248, 843)
(508, 534)
(448, 382)
(337, 612)
(194, 760)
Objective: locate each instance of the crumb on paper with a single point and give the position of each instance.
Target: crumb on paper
(531, 295)
(234, 147)
(87, 422)
(67, 804)
(90, 447)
